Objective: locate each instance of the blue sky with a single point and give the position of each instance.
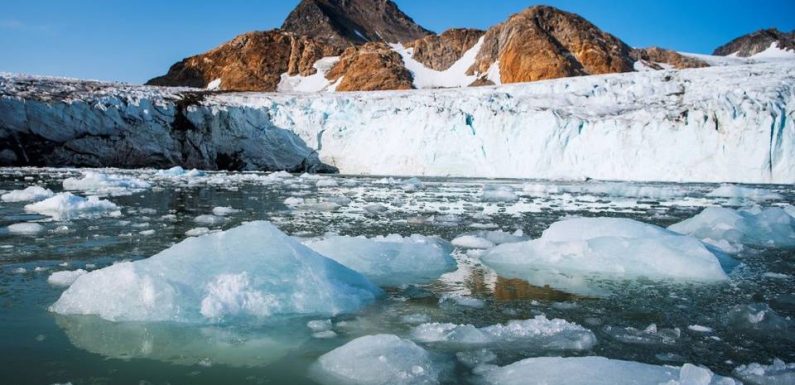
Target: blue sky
(135, 40)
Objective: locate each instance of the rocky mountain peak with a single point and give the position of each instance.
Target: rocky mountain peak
(756, 42)
(343, 23)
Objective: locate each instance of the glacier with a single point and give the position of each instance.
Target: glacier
(731, 123)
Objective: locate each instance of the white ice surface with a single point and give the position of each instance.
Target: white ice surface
(65, 206)
(312, 83)
(26, 228)
(65, 278)
(455, 76)
(253, 271)
(391, 260)
(105, 184)
(29, 194)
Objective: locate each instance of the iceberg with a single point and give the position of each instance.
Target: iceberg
(65, 278)
(105, 184)
(377, 360)
(574, 255)
(537, 334)
(598, 371)
(251, 272)
(730, 229)
(67, 206)
(391, 260)
(29, 194)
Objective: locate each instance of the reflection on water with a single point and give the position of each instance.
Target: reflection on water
(508, 289)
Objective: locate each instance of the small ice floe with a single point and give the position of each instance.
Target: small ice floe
(224, 211)
(412, 185)
(730, 229)
(105, 184)
(498, 193)
(651, 335)
(472, 242)
(197, 231)
(179, 172)
(326, 182)
(777, 373)
(597, 371)
(700, 329)
(65, 278)
(415, 318)
(29, 194)
(377, 360)
(744, 193)
(759, 319)
(390, 260)
(253, 271)
(65, 206)
(209, 220)
(773, 275)
(147, 233)
(26, 228)
(539, 333)
(575, 255)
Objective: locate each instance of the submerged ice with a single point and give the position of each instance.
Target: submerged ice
(253, 271)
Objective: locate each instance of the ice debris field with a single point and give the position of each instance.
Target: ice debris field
(246, 277)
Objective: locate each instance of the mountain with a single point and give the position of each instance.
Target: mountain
(343, 23)
(370, 45)
(757, 42)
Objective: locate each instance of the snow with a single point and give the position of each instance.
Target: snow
(472, 242)
(25, 228)
(391, 260)
(65, 278)
(377, 360)
(774, 52)
(214, 85)
(311, 83)
(537, 333)
(66, 206)
(777, 373)
(455, 76)
(29, 194)
(105, 184)
(253, 271)
(573, 253)
(730, 229)
(598, 371)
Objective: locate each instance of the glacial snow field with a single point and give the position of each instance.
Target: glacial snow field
(172, 276)
(728, 123)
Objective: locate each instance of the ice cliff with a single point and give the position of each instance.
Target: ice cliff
(720, 124)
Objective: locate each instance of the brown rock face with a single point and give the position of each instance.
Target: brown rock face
(756, 42)
(654, 55)
(344, 23)
(546, 43)
(250, 62)
(439, 52)
(371, 67)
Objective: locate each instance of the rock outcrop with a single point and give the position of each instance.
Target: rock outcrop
(343, 23)
(371, 67)
(545, 43)
(250, 62)
(439, 52)
(653, 56)
(756, 42)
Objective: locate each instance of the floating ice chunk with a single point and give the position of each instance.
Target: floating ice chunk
(98, 183)
(327, 182)
(598, 371)
(700, 329)
(179, 172)
(64, 206)
(25, 228)
(392, 260)
(65, 278)
(29, 194)
(319, 325)
(760, 319)
(777, 373)
(537, 333)
(377, 360)
(729, 229)
(253, 271)
(651, 335)
(210, 220)
(412, 185)
(574, 255)
(294, 201)
(197, 231)
(744, 193)
(472, 242)
(498, 193)
(462, 300)
(224, 211)
(499, 237)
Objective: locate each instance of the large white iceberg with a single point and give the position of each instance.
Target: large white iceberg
(66, 206)
(573, 255)
(730, 229)
(105, 184)
(392, 260)
(253, 271)
(377, 360)
(538, 333)
(29, 194)
(598, 371)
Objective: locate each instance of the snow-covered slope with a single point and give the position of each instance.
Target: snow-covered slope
(730, 123)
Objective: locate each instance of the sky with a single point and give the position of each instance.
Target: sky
(133, 41)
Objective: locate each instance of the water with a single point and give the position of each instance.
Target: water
(39, 347)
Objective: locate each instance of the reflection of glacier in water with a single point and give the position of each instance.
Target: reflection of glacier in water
(181, 344)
